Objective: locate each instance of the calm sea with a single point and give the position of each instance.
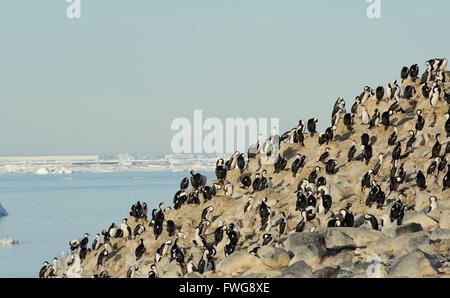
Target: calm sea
(46, 212)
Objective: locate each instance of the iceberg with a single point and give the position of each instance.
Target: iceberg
(3, 211)
(8, 242)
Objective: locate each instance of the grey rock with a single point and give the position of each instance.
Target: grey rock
(309, 247)
(383, 245)
(343, 259)
(274, 257)
(403, 229)
(416, 264)
(445, 219)
(237, 261)
(440, 234)
(338, 190)
(326, 272)
(362, 236)
(336, 239)
(297, 270)
(420, 241)
(419, 217)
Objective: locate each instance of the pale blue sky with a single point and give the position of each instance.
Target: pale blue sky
(114, 80)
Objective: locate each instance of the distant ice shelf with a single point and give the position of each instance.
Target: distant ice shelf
(48, 165)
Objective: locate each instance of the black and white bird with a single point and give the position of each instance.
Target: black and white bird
(420, 122)
(432, 204)
(312, 126)
(207, 212)
(218, 233)
(421, 181)
(385, 119)
(246, 182)
(412, 139)
(298, 164)
(366, 180)
(404, 73)
(436, 150)
(325, 155)
(267, 239)
(184, 184)
(140, 249)
(102, 257)
(379, 165)
(199, 240)
(351, 152)
(283, 224)
(347, 218)
(393, 137)
(349, 121)
(313, 175)
(153, 273)
(433, 166)
(42, 272)
(372, 220)
(84, 241)
(241, 162)
(162, 250)
(414, 71)
(221, 170)
(330, 167)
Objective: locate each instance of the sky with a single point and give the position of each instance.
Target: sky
(115, 79)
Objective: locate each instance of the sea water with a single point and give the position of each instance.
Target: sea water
(47, 211)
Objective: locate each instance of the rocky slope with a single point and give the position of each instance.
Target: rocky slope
(419, 247)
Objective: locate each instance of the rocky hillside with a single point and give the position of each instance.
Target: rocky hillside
(407, 237)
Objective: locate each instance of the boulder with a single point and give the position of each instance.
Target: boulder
(338, 191)
(237, 261)
(326, 272)
(419, 217)
(335, 239)
(416, 264)
(403, 229)
(361, 236)
(343, 259)
(445, 220)
(422, 200)
(309, 247)
(297, 270)
(419, 241)
(383, 245)
(274, 257)
(440, 234)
